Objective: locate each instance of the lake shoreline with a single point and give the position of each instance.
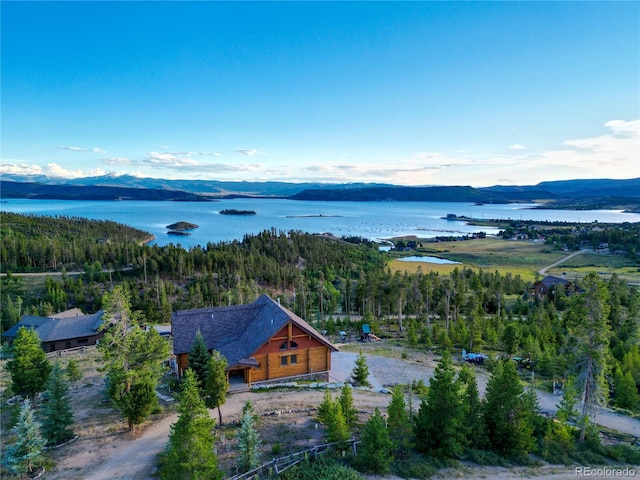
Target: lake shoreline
(368, 220)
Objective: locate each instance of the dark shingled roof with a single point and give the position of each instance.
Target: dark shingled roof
(236, 331)
(61, 326)
(550, 281)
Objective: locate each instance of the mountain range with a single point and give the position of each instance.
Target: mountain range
(571, 194)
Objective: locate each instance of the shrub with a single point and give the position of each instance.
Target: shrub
(557, 443)
(624, 453)
(73, 370)
(486, 457)
(415, 466)
(322, 467)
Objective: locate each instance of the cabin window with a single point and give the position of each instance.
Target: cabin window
(283, 361)
(289, 345)
(68, 344)
(52, 347)
(83, 340)
(293, 360)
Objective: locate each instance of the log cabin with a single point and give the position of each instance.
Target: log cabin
(261, 341)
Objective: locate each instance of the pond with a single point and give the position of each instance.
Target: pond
(441, 261)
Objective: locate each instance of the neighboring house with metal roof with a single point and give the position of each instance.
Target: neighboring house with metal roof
(68, 329)
(261, 341)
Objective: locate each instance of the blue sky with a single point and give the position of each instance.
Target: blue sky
(416, 93)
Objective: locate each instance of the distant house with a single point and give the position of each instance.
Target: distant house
(260, 341)
(547, 286)
(68, 329)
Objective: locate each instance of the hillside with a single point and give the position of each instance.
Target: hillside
(212, 188)
(568, 194)
(75, 192)
(403, 194)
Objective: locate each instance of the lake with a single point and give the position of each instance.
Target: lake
(427, 259)
(372, 220)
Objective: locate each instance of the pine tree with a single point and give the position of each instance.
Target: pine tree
(626, 392)
(248, 407)
(324, 408)
(133, 358)
(445, 412)
(138, 402)
(421, 428)
(360, 372)
(248, 443)
(73, 371)
(398, 422)
(511, 339)
(337, 430)
(199, 359)
(29, 367)
(590, 332)
(25, 454)
(346, 403)
(190, 454)
(215, 384)
(473, 422)
(375, 453)
(567, 406)
(506, 412)
(56, 410)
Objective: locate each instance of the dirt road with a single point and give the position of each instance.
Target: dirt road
(543, 270)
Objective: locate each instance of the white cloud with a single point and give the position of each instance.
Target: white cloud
(623, 129)
(20, 169)
(171, 160)
(55, 170)
(73, 149)
(615, 154)
(197, 154)
(82, 149)
(250, 152)
(51, 170)
(185, 163)
(117, 161)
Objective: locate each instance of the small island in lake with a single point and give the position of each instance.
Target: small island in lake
(233, 211)
(181, 226)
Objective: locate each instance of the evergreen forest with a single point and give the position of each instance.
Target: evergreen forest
(335, 284)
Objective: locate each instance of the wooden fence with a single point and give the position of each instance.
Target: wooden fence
(279, 465)
(70, 351)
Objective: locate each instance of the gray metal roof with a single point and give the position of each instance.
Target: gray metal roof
(236, 331)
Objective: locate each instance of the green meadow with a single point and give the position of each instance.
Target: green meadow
(524, 258)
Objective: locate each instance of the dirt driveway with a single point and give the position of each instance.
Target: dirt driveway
(121, 455)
